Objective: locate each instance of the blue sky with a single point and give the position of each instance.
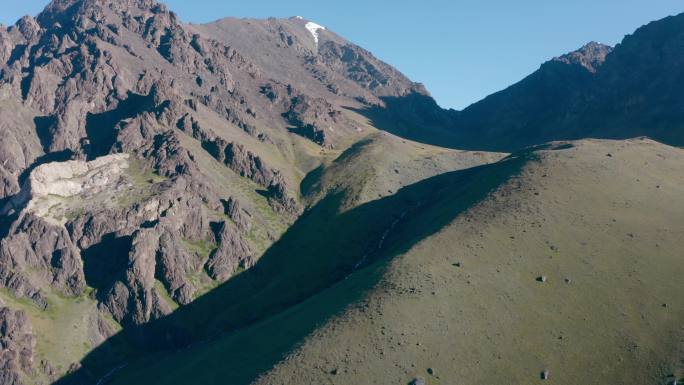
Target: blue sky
(462, 50)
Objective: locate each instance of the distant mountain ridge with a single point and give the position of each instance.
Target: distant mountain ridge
(631, 90)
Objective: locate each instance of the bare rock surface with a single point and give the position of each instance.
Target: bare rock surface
(591, 56)
(50, 183)
(17, 345)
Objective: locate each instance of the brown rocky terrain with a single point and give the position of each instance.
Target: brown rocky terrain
(16, 347)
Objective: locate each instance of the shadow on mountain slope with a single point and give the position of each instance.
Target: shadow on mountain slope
(527, 114)
(416, 117)
(244, 327)
(102, 127)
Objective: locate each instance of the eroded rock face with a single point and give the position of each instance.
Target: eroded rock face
(232, 254)
(133, 299)
(312, 118)
(50, 182)
(17, 345)
(360, 66)
(45, 249)
(245, 163)
(237, 214)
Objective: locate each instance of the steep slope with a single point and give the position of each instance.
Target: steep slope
(629, 91)
(302, 56)
(381, 165)
(145, 162)
(465, 302)
(342, 232)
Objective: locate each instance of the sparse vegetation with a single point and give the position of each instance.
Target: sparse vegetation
(495, 302)
(63, 330)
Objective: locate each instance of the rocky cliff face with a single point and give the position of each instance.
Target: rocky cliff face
(17, 345)
(143, 161)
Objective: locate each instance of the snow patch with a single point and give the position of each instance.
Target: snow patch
(299, 17)
(314, 28)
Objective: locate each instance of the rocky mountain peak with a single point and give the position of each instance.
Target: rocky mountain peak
(591, 56)
(59, 12)
(57, 6)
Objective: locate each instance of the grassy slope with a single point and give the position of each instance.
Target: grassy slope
(600, 221)
(65, 332)
(266, 311)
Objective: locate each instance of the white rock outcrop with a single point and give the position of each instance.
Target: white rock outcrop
(66, 180)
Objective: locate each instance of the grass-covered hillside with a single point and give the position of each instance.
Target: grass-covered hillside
(460, 293)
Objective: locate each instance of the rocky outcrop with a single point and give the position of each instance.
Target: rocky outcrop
(232, 254)
(126, 252)
(56, 180)
(243, 162)
(133, 299)
(247, 164)
(17, 345)
(35, 252)
(174, 266)
(591, 56)
(251, 166)
(312, 118)
(360, 66)
(233, 209)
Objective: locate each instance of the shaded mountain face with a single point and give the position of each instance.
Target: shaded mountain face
(632, 90)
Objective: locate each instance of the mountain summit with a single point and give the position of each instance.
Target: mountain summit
(591, 56)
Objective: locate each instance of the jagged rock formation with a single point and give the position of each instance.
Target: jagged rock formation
(591, 56)
(17, 345)
(37, 251)
(233, 209)
(243, 162)
(312, 118)
(233, 253)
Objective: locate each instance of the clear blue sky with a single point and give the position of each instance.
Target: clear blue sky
(462, 50)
